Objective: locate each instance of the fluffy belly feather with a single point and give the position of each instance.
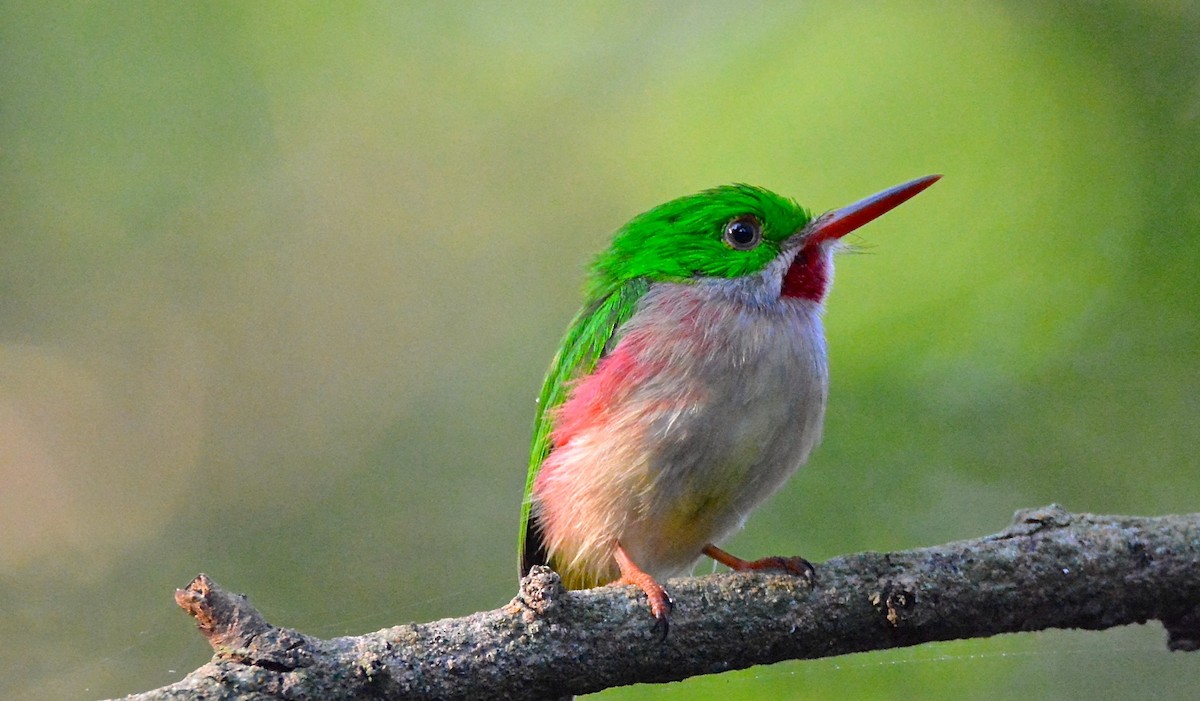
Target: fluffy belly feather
(704, 407)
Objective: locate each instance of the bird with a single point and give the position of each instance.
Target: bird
(688, 388)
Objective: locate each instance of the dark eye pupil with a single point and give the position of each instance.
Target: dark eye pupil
(741, 233)
(744, 233)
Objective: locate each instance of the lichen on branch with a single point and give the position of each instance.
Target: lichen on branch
(1049, 569)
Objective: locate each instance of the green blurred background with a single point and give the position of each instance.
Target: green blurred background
(279, 281)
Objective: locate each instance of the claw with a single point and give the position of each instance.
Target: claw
(662, 615)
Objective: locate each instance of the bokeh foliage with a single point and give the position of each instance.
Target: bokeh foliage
(278, 282)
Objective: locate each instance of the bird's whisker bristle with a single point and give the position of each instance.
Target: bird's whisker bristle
(855, 247)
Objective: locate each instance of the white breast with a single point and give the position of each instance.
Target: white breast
(740, 402)
(717, 398)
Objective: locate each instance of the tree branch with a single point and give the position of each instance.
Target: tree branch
(1049, 569)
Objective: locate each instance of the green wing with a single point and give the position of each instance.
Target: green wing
(588, 338)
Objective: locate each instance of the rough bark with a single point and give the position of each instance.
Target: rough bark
(1049, 569)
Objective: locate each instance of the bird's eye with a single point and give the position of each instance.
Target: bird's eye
(743, 233)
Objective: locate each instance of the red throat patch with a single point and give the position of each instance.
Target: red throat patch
(808, 275)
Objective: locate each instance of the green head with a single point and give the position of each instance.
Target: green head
(731, 232)
(726, 232)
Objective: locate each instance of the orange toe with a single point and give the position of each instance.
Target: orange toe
(660, 601)
(792, 565)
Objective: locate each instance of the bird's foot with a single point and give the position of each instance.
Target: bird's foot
(661, 602)
(791, 565)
